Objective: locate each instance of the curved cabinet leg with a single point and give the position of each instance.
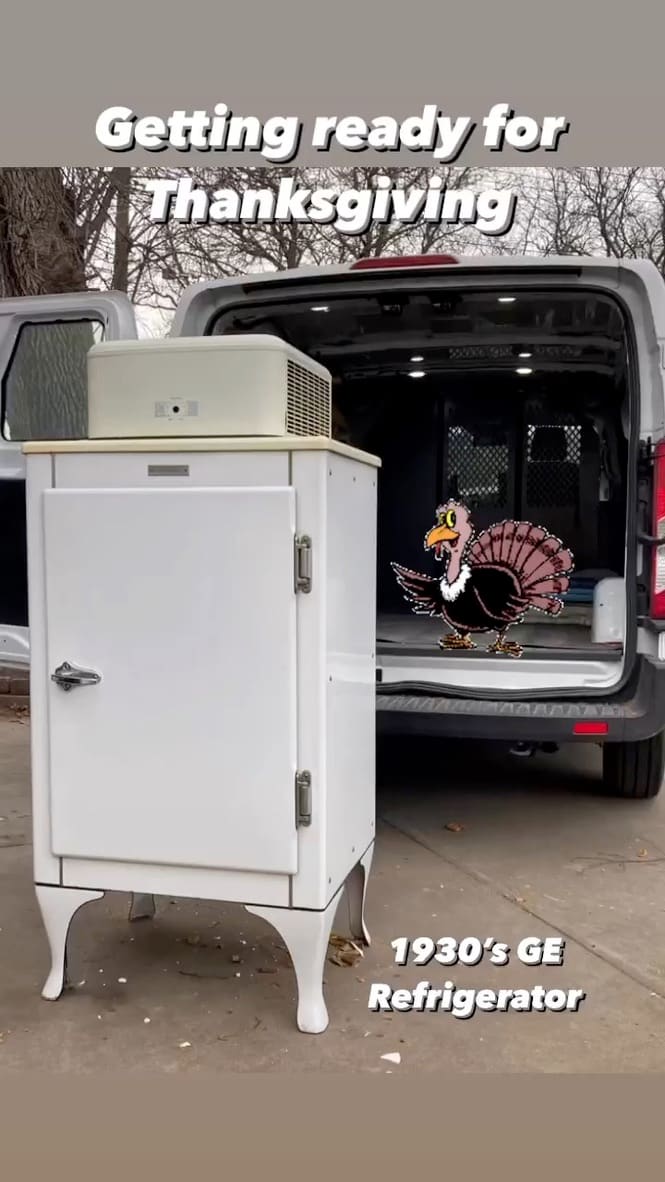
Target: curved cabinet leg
(142, 907)
(356, 893)
(306, 935)
(58, 906)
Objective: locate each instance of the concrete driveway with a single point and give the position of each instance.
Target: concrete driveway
(532, 850)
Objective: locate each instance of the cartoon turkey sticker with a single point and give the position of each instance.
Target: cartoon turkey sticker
(490, 580)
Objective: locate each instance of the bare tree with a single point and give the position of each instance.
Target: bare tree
(163, 259)
(122, 178)
(615, 212)
(40, 241)
(54, 222)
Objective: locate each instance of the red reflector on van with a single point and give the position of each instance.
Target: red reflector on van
(658, 559)
(406, 260)
(590, 728)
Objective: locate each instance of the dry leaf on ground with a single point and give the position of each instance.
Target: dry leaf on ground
(344, 952)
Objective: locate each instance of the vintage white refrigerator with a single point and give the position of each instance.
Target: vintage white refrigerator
(202, 614)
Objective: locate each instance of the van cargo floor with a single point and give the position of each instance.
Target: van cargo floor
(569, 636)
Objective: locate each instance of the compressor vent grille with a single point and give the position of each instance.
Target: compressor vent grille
(308, 402)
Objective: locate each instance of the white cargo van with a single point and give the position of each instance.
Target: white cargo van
(525, 389)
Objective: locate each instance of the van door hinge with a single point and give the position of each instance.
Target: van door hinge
(303, 798)
(303, 556)
(645, 455)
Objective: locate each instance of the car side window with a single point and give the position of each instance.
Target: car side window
(44, 392)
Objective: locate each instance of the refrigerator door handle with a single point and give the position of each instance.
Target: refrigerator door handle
(68, 676)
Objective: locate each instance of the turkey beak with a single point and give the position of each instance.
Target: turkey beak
(440, 533)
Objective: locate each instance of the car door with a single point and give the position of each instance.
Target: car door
(44, 341)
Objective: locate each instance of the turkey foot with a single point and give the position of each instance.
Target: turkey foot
(455, 641)
(508, 647)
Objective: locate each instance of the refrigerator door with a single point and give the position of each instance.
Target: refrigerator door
(171, 621)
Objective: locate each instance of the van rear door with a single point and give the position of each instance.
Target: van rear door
(43, 345)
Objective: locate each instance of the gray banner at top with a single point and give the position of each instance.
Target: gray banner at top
(596, 65)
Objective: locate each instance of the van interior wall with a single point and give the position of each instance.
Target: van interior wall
(551, 451)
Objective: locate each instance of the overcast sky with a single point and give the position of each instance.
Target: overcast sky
(152, 322)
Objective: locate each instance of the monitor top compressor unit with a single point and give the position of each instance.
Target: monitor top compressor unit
(228, 386)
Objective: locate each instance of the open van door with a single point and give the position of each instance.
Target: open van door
(44, 341)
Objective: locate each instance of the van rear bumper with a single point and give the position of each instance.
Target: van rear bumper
(637, 712)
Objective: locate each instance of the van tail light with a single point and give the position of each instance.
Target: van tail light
(658, 530)
(405, 260)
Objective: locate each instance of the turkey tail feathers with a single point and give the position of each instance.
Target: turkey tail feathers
(548, 587)
(560, 563)
(538, 560)
(545, 604)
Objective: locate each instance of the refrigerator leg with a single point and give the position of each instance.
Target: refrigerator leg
(58, 906)
(142, 907)
(306, 935)
(356, 892)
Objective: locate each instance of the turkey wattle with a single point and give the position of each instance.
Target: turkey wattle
(491, 580)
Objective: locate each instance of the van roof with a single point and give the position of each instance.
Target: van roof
(420, 262)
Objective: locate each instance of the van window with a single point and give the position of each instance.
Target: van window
(479, 466)
(44, 392)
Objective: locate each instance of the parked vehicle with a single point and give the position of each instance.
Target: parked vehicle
(525, 389)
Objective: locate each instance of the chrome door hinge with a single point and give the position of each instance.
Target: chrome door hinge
(303, 556)
(303, 798)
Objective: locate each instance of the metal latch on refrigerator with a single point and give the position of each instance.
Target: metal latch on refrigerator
(303, 551)
(303, 798)
(69, 676)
